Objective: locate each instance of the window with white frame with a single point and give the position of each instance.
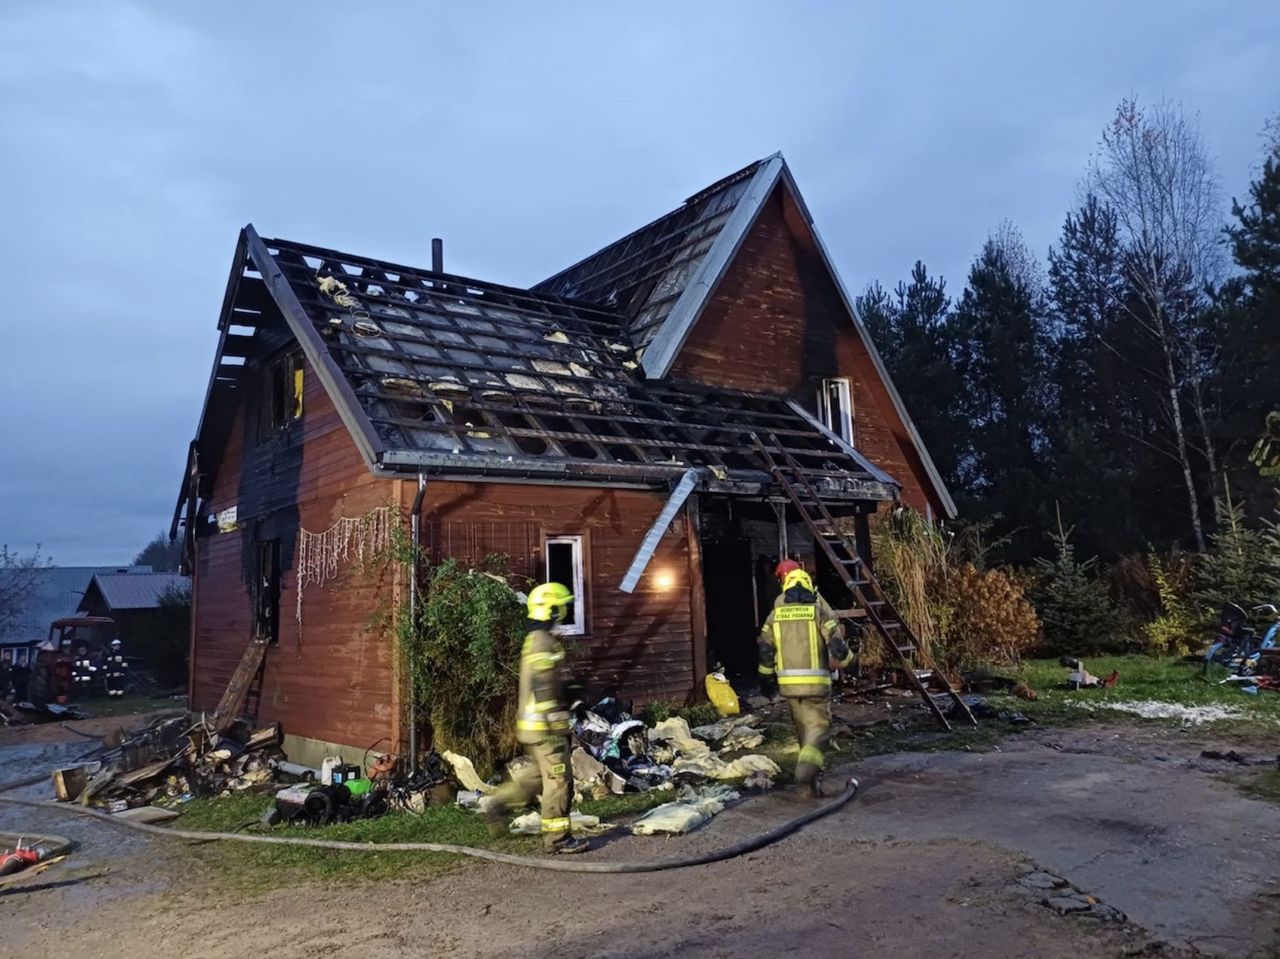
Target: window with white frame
(835, 407)
(566, 565)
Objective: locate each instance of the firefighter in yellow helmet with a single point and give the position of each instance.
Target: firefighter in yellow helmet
(542, 724)
(800, 641)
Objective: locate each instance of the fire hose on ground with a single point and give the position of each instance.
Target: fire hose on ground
(741, 848)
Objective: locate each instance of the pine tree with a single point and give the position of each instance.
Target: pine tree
(1104, 419)
(1002, 351)
(1247, 309)
(913, 330)
(1078, 616)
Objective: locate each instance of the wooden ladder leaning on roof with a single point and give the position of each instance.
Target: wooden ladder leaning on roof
(858, 579)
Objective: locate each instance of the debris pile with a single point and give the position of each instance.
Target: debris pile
(610, 735)
(173, 761)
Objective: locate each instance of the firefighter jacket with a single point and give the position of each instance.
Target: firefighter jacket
(541, 711)
(798, 642)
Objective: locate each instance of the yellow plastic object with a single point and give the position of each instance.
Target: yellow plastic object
(722, 696)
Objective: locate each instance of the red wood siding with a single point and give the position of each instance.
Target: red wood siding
(777, 324)
(333, 678)
(642, 643)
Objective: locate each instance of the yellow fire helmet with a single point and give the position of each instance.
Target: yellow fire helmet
(549, 602)
(798, 577)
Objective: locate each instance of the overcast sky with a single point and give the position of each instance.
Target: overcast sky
(136, 139)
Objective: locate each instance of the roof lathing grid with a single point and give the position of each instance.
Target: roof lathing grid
(449, 365)
(643, 274)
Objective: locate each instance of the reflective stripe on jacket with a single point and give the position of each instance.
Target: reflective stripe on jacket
(797, 643)
(541, 711)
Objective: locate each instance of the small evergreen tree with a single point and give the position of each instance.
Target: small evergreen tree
(1077, 614)
(1242, 565)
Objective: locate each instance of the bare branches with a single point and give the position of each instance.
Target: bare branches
(18, 577)
(1154, 174)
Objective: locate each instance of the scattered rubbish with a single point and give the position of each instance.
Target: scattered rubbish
(609, 734)
(336, 290)
(465, 772)
(50, 712)
(593, 778)
(981, 709)
(530, 824)
(743, 737)
(171, 760)
(713, 767)
(1187, 715)
(686, 813)
(716, 732)
(69, 783)
(1081, 678)
(981, 681)
(758, 782)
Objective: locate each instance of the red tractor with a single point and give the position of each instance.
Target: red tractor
(71, 641)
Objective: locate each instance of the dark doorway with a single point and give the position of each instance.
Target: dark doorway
(729, 581)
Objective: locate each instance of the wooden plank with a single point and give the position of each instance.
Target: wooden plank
(238, 688)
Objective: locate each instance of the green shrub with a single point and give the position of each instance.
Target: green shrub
(463, 657)
(1175, 629)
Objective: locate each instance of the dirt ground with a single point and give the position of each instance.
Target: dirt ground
(925, 863)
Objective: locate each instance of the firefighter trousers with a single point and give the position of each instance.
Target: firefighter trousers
(551, 775)
(811, 716)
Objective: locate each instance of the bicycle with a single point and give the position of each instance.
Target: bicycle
(1237, 646)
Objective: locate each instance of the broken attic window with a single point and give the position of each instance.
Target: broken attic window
(280, 402)
(835, 407)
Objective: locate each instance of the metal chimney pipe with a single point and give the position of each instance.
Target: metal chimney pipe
(437, 255)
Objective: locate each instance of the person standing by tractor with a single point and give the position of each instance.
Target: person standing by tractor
(542, 725)
(114, 666)
(82, 672)
(800, 643)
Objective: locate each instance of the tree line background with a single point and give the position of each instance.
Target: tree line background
(1104, 400)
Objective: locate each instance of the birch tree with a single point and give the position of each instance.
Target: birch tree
(1153, 171)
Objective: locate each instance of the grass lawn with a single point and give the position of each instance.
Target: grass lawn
(128, 705)
(252, 868)
(1142, 679)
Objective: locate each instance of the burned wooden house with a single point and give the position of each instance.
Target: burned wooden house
(598, 428)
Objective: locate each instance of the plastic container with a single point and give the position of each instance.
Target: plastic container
(721, 694)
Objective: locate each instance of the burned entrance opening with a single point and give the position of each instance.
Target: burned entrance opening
(742, 540)
(740, 547)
